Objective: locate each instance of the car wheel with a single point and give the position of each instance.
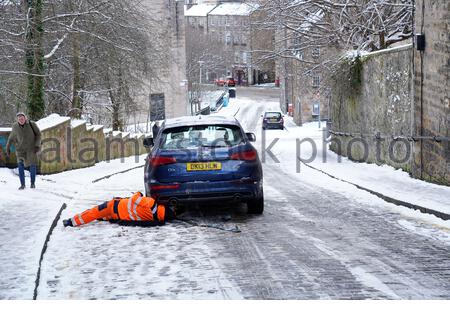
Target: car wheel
(256, 206)
(180, 209)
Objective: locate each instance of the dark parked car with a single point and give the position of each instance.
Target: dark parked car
(201, 159)
(273, 120)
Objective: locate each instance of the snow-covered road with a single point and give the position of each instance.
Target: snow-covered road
(318, 238)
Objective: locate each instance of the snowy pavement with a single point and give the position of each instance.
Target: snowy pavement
(27, 216)
(319, 238)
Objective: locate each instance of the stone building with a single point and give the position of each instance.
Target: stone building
(171, 82)
(227, 25)
(304, 90)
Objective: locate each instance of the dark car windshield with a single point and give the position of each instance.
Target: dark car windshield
(209, 136)
(273, 115)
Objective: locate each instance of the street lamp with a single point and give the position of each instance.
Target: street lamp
(200, 63)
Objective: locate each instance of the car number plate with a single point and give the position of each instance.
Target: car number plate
(203, 166)
(273, 120)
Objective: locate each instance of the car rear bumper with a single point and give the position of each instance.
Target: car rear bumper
(273, 125)
(192, 192)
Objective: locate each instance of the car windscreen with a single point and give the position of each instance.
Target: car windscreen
(273, 115)
(210, 136)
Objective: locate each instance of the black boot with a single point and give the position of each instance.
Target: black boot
(67, 223)
(22, 187)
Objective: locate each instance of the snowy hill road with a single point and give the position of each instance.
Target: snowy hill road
(318, 238)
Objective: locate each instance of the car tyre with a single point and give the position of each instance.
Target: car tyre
(256, 206)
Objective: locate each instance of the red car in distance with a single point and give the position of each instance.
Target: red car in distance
(228, 81)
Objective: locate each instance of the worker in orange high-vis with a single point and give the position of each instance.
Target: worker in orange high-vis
(136, 210)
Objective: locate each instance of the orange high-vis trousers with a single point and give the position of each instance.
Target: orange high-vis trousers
(105, 211)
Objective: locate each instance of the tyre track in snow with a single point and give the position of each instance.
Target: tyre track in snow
(57, 219)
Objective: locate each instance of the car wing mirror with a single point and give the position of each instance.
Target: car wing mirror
(148, 142)
(251, 136)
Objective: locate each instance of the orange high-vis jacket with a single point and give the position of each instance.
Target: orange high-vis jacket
(137, 208)
(140, 208)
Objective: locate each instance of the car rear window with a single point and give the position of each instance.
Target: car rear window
(213, 136)
(273, 115)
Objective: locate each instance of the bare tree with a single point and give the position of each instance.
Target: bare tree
(347, 24)
(78, 52)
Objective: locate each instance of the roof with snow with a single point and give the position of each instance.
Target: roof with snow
(51, 121)
(199, 10)
(234, 9)
(5, 129)
(311, 19)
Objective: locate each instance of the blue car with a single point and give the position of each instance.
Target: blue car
(201, 159)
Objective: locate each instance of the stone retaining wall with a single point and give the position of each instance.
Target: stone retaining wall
(371, 100)
(70, 145)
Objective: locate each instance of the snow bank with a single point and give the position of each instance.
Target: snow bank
(352, 54)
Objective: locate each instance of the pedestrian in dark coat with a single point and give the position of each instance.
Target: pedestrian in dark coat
(26, 138)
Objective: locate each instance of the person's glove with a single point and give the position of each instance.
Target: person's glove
(7, 153)
(37, 149)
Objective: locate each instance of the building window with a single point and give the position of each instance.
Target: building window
(236, 39)
(228, 39)
(236, 57)
(211, 19)
(227, 20)
(244, 57)
(316, 109)
(316, 52)
(316, 81)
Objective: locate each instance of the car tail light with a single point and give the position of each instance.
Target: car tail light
(161, 161)
(249, 155)
(165, 187)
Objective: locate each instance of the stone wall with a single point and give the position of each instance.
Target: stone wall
(371, 108)
(70, 145)
(55, 151)
(432, 92)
